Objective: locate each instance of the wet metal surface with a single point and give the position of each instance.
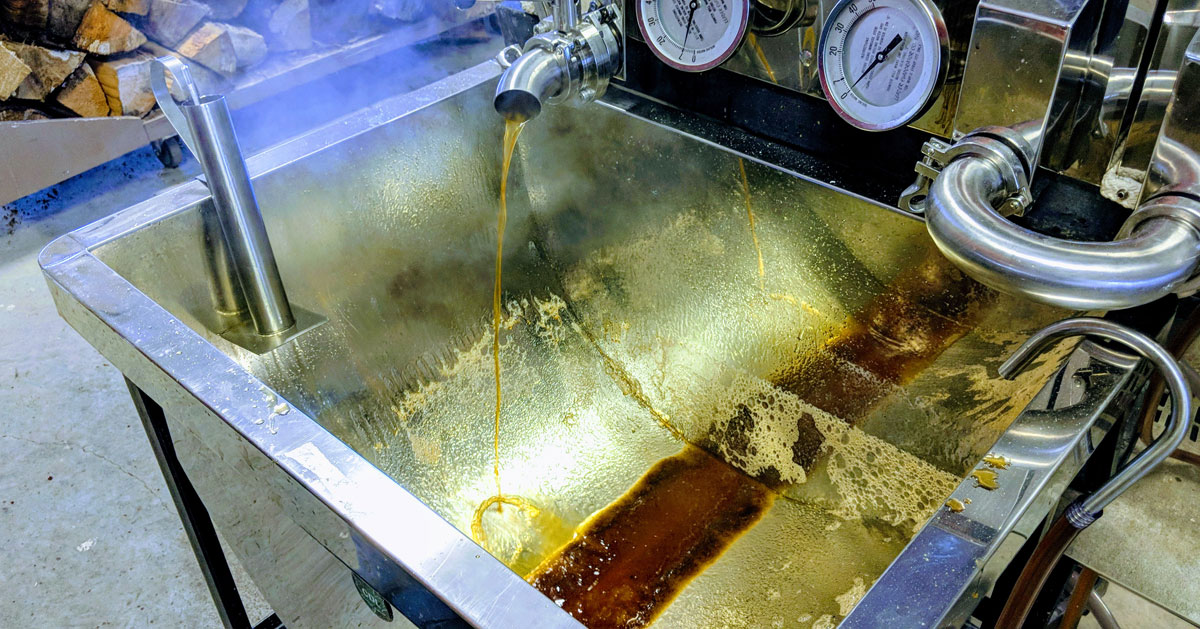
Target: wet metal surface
(635, 314)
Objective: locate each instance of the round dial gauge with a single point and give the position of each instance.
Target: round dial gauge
(693, 35)
(882, 62)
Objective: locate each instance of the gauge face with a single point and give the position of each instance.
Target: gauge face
(882, 62)
(693, 35)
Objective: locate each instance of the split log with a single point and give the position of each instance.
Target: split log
(339, 21)
(286, 24)
(13, 72)
(31, 14)
(224, 47)
(211, 46)
(225, 10)
(21, 115)
(48, 68)
(136, 7)
(248, 46)
(171, 20)
(105, 33)
(65, 17)
(83, 94)
(126, 84)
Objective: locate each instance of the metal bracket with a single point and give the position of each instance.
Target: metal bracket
(195, 519)
(935, 154)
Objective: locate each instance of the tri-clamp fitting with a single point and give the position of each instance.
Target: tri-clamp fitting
(569, 61)
(966, 191)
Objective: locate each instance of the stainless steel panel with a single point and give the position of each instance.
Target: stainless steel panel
(1129, 164)
(954, 561)
(791, 58)
(1104, 78)
(1175, 165)
(1014, 67)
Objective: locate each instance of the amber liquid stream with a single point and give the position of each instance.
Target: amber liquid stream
(512, 130)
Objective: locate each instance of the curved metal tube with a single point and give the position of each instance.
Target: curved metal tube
(1177, 163)
(1100, 611)
(535, 77)
(1177, 423)
(1157, 258)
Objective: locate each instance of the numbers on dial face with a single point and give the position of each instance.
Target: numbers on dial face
(693, 35)
(881, 60)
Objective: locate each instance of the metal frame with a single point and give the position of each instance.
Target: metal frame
(196, 522)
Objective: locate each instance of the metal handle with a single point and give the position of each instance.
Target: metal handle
(166, 101)
(1084, 511)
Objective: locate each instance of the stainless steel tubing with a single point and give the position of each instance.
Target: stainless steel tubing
(224, 286)
(220, 157)
(1177, 163)
(1158, 257)
(1177, 424)
(538, 75)
(566, 15)
(1100, 611)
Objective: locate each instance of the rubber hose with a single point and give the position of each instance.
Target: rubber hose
(1037, 570)
(1084, 584)
(1177, 345)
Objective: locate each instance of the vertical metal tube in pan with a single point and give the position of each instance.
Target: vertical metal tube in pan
(226, 293)
(237, 210)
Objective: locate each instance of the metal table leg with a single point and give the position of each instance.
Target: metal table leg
(196, 521)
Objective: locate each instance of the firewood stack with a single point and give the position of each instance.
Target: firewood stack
(90, 58)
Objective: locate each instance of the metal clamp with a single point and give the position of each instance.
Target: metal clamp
(508, 55)
(1004, 147)
(1088, 508)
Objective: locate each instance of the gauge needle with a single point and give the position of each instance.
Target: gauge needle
(695, 4)
(880, 57)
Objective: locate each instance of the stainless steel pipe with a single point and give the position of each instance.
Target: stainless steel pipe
(560, 64)
(566, 14)
(216, 148)
(1157, 258)
(537, 76)
(1177, 424)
